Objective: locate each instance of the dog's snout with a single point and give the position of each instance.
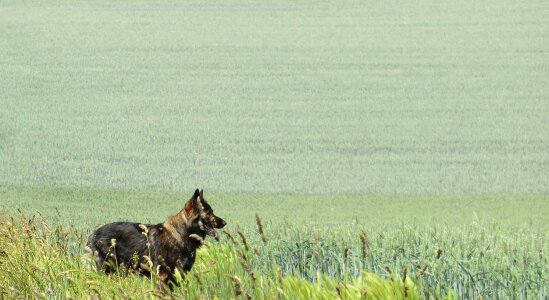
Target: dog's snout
(221, 223)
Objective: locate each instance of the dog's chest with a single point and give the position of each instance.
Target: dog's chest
(180, 257)
(186, 259)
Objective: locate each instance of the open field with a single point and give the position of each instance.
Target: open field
(279, 97)
(424, 126)
(89, 207)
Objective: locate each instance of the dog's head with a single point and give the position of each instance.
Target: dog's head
(202, 220)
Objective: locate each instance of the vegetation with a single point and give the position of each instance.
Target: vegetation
(495, 247)
(276, 97)
(372, 138)
(36, 262)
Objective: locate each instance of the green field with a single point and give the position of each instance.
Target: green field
(424, 124)
(278, 97)
(491, 246)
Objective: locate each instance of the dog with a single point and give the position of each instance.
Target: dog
(161, 248)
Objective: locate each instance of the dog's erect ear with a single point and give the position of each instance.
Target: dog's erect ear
(192, 204)
(200, 204)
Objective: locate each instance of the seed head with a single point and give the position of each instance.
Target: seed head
(260, 228)
(279, 275)
(145, 231)
(364, 242)
(422, 270)
(229, 235)
(237, 284)
(243, 240)
(197, 238)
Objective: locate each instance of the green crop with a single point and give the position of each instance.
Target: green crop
(492, 247)
(276, 97)
(372, 139)
(35, 262)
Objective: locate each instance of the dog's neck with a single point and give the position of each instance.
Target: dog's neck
(169, 227)
(172, 224)
(177, 226)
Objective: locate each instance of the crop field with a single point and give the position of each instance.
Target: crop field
(390, 149)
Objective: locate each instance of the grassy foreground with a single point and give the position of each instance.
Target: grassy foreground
(36, 262)
(493, 247)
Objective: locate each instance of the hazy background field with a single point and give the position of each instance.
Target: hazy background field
(277, 97)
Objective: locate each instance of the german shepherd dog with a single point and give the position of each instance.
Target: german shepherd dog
(169, 246)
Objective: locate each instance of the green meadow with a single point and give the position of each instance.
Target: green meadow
(451, 246)
(390, 149)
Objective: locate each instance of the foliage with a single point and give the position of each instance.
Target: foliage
(35, 262)
(41, 260)
(372, 137)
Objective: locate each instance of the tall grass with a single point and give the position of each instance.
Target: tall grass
(491, 247)
(36, 261)
(42, 260)
(473, 260)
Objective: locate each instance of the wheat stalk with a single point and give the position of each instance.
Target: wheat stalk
(364, 242)
(243, 240)
(260, 228)
(230, 236)
(237, 284)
